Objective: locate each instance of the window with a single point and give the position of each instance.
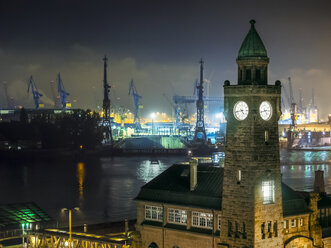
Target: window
(268, 192)
(229, 228)
(293, 223)
(236, 234)
(177, 216)
(153, 245)
(275, 229)
(204, 220)
(239, 177)
(301, 221)
(269, 229)
(244, 231)
(266, 136)
(285, 224)
(262, 230)
(258, 75)
(219, 222)
(153, 213)
(248, 74)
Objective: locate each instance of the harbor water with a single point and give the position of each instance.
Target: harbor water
(104, 188)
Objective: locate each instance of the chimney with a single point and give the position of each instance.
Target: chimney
(126, 227)
(193, 173)
(319, 182)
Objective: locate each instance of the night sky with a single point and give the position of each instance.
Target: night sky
(158, 44)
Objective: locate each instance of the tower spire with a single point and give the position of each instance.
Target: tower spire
(252, 59)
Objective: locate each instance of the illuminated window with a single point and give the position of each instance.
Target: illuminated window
(293, 223)
(266, 136)
(153, 213)
(301, 222)
(285, 224)
(219, 222)
(177, 216)
(268, 192)
(203, 220)
(239, 176)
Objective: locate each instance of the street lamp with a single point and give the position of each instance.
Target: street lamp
(69, 210)
(153, 115)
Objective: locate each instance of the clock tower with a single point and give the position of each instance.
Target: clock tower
(252, 212)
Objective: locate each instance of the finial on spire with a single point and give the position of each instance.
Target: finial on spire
(105, 58)
(252, 22)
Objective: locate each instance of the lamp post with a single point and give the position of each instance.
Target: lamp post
(69, 211)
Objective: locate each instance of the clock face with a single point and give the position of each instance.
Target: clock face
(265, 110)
(240, 110)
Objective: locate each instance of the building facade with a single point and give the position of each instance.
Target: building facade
(243, 204)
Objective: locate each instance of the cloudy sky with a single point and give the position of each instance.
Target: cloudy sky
(158, 44)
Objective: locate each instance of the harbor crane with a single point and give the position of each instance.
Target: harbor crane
(62, 92)
(200, 132)
(293, 105)
(136, 101)
(36, 95)
(9, 100)
(108, 137)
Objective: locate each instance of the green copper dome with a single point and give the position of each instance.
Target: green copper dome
(252, 45)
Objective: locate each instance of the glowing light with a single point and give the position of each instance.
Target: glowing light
(80, 176)
(268, 192)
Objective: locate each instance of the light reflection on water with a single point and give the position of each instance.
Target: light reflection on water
(147, 171)
(80, 178)
(104, 188)
(298, 168)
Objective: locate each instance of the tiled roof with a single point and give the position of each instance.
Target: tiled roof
(293, 202)
(324, 202)
(173, 187)
(252, 45)
(22, 213)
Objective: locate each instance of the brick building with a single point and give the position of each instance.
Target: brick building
(244, 203)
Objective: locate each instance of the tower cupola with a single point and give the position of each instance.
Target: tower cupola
(252, 59)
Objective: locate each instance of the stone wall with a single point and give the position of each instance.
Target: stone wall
(169, 236)
(257, 158)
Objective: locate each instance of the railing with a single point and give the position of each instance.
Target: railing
(9, 234)
(50, 238)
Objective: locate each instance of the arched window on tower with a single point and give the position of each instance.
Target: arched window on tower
(258, 74)
(248, 74)
(153, 245)
(229, 228)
